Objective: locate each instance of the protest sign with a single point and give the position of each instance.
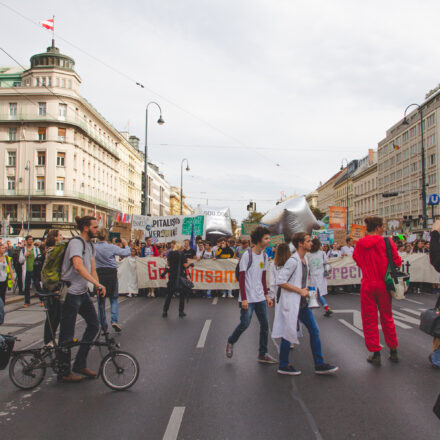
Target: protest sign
(168, 228)
(340, 236)
(325, 236)
(357, 232)
(247, 228)
(275, 240)
(124, 230)
(338, 217)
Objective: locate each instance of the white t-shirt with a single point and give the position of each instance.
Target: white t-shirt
(254, 284)
(347, 250)
(199, 252)
(208, 255)
(333, 253)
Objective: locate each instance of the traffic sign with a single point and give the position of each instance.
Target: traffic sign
(434, 199)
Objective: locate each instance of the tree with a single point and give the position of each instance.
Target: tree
(234, 226)
(317, 213)
(254, 217)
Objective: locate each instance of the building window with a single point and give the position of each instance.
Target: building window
(40, 183)
(60, 186)
(43, 81)
(75, 211)
(41, 109)
(12, 110)
(62, 134)
(431, 159)
(10, 212)
(37, 81)
(41, 134)
(12, 158)
(41, 158)
(62, 111)
(12, 133)
(38, 212)
(83, 212)
(59, 213)
(61, 159)
(432, 179)
(11, 183)
(63, 81)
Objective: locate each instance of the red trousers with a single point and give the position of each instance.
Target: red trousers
(374, 296)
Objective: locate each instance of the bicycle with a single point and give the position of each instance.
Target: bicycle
(28, 367)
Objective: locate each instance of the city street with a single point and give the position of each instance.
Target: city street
(188, 389)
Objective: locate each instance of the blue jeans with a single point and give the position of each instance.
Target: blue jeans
(114, 310)
(74, 305)
(245, 320)
(435, 357)
(308, 319)
(2, 312)
(321, 299)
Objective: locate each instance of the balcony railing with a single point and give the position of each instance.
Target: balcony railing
(57, 197)
(78, 122)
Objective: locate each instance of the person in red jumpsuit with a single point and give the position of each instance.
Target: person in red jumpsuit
(370, 255)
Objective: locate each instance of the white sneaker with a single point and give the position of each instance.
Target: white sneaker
(129, 295)
(223, 296)
(230, 295)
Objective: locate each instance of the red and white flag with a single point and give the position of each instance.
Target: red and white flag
(48, 24)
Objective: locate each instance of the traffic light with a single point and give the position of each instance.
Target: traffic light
(252, 207)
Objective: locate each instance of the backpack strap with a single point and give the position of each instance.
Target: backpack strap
(250, 259)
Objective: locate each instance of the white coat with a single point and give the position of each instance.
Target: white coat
(285, 324)
(317, 261)
(22, 260)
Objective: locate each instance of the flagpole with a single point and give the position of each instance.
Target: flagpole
(53, 31)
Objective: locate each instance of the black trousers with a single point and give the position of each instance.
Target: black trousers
(3, 287)
(52, 319)
(19, 278)
(171, 291)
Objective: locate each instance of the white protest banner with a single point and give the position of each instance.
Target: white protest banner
(169, 228)
(206, 274)
(345, 272)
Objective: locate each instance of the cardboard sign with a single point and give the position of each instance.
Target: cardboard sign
(357, 232)
(276, 240)
(338, 217)
(247, 228)
(340, 236)
(123, 229)
(168, 228)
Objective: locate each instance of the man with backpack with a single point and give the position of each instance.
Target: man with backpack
(27, 258)
(254, 295)
(77, 270)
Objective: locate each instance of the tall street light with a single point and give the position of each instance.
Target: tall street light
(422, 152)
(160, 121)
(28, 169)
(346, 176)
(181, 183)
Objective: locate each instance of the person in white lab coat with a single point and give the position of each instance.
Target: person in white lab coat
(292, 306)
(317, 261)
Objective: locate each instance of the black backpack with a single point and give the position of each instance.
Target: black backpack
(38, 266)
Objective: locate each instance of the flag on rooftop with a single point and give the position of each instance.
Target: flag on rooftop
(48, 24)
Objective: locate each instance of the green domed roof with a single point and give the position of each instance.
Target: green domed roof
(52, 58)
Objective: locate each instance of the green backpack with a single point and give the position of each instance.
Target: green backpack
(51, 272)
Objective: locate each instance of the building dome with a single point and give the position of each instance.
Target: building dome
(52, 58)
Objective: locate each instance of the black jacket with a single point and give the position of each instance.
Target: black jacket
(434, 250)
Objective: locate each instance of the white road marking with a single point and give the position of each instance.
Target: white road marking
(402, 317)
(174, 424)
(415, 312)
(215, 300)
(401, 325)
(204, 333)
(351, 327)
(357, 318)
(414, 301)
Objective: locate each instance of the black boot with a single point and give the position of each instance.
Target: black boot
(374, 359)
(393, 356)
(182, 314)
(164, 314)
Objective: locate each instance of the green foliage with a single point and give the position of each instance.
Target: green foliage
(317, 213)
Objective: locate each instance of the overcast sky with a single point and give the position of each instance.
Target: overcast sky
(261, 96)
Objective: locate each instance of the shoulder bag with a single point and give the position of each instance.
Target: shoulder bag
(397, 282)
(430, 321)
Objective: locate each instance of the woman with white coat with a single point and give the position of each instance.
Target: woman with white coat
(317, 260)
(292, 293)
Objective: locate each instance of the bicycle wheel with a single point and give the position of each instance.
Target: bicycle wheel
(26, 371)
(119, 370)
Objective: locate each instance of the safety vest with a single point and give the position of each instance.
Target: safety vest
(8, 272)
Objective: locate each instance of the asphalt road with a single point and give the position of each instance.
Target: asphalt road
(188, 389)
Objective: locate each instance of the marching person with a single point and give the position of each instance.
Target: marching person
(78, 269)
(107, 270)
(254, 295)
(291, 278)
(370, 255)
(317, 261)
(348, 249)
(334, 252)
(224, 252)
(6, 276)
(27, 257)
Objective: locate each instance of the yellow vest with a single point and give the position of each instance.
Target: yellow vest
(9, 278)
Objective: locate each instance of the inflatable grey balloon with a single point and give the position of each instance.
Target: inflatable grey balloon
(217, 220)
(293, 215)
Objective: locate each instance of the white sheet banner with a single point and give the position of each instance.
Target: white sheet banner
(344, 270)
(168, 228)
(206, 274)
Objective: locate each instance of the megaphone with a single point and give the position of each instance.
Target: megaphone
(313, 298)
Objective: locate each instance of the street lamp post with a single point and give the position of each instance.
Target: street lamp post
(28, 169)
(346, 176)
(181, 183)
(160, 121)
(406, 122)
